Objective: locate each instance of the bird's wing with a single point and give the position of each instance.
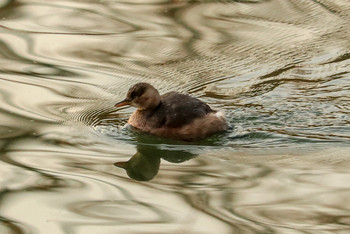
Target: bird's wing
(180, 109)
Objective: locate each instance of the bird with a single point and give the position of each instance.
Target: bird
(172, 115)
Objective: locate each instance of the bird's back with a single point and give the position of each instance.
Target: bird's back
(178, 109)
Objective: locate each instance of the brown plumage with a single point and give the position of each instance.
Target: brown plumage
(172, 115)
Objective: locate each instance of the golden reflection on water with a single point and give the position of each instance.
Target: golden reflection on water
(279, 68)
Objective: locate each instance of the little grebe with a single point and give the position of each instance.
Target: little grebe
(172, 115)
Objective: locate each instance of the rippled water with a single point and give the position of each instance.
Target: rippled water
(280, 69)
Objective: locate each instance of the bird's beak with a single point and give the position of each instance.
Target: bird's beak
(121, 164)
(122, 103)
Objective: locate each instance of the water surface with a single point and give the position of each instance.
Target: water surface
(280, 69)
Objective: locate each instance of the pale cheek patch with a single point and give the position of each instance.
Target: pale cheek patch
(134, 104)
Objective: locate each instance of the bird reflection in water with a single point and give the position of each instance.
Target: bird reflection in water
(144, 165)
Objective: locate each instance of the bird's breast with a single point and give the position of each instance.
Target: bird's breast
(137, 120)
(141, 120)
